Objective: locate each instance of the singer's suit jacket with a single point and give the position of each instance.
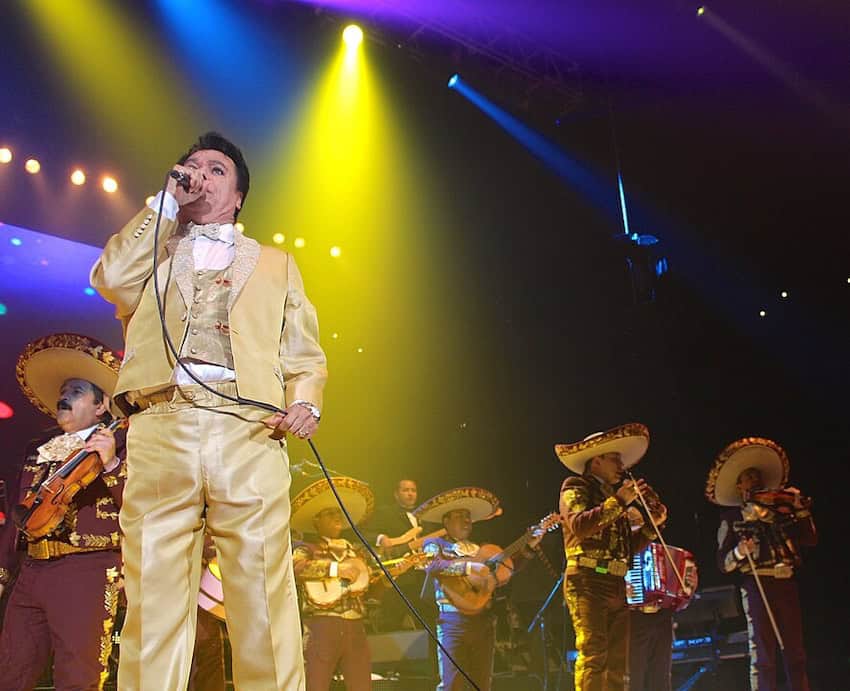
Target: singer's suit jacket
(273, 326)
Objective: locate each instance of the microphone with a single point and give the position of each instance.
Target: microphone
(182, 179)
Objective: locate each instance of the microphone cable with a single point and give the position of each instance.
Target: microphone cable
(241, 400)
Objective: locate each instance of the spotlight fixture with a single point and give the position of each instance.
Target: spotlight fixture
(353, 36)
(32, 166)
(336, 251)
(762, 313)
(783, 294)
(299, 242)
(78, 177)
(453, 80)
(239, 226)
(701, 11)
(109, 184)
(278, 238)
(5, 155)
(149, 200)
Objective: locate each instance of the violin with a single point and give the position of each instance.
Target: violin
(782, 501)
(44, 509)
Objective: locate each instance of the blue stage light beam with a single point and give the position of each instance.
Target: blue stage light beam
(241, 68)
(592, 186)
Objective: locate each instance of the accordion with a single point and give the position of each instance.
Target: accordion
(651, 582)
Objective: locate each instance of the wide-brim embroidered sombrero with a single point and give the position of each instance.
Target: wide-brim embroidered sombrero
(480, 503)
(630, 441)
(316, 497)
(750, 452)
(48, 362)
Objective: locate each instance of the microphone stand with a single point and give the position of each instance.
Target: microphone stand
(541, 619)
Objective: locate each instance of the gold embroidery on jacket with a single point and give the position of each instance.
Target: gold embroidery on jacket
(110, 604)
(101, 512)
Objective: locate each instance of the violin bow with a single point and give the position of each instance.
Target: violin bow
(679, 576)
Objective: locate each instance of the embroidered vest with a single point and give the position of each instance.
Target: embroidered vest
(208, 333)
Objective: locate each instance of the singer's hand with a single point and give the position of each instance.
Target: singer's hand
(196, 185)
(296, 419)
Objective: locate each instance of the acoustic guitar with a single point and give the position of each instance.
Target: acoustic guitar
(470, 594)
(323, 593)
(326, 592)
(411, 541)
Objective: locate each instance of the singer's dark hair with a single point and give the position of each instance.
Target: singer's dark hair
(217, 142)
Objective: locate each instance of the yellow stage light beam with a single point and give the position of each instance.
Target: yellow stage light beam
(353, 36)
(346, 171)
(116, 71)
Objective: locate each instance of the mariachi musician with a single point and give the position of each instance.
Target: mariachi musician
(599, 545)
(332, 580)
(65, 597)
(465, 576)
(759, 538)
(393, 529)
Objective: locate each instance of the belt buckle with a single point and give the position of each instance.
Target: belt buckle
(619, 570)
(39, 550)
(783, 570)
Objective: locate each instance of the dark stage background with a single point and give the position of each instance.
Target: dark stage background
(495, 311)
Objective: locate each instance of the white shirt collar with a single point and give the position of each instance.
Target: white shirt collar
(84, 433)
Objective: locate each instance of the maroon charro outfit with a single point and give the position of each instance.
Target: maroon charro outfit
(333, 635)
(777, 559)
(64, 598)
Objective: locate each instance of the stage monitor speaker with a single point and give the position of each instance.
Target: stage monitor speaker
(398, 645)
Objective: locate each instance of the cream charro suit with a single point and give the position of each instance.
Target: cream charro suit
(196, 460)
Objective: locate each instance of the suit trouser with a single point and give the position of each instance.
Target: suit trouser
(784, 599)
(195, 461)
(650, 650)
(65, 606)
(471, 641)
(597, 604)
(333, 641)
(207, 671)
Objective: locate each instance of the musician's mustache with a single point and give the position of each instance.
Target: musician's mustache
(63, 404)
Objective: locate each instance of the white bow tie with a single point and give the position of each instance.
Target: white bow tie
(208, 230)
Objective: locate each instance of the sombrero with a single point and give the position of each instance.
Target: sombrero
(630, 441)
(480, 503)
(47, 362)
(316, 497)
(750, 452)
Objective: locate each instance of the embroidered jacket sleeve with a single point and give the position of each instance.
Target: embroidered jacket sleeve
(124, 266)
(803, 530)
(307, 567)
(443, 563)
(581, 517)
(302, 359)
(727, 539)
(9, 554)
(115, 478)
